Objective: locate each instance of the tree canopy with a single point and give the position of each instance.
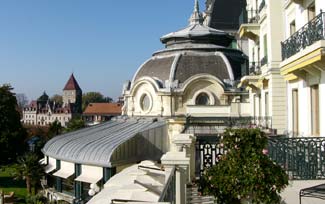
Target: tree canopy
(57, 98)
(93, 97)
(22, 100)
(245, 172)
(12, 133)
(29, 168)
(75, 124)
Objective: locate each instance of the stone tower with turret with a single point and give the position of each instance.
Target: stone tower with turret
(72, 95)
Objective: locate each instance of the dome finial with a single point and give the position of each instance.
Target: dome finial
(196, 17)
(196, 6)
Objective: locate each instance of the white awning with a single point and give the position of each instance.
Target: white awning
(66, 170)
(51, 166)
(90, 174)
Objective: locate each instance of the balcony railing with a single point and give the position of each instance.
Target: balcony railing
(264, 61)
(302, 157)
(262, 122)
(254, 68)
(262, 5)
(169, 191)
(310, 33)
(248, 16)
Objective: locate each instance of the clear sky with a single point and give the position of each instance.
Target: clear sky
(103, 42)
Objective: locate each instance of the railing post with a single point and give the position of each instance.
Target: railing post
(179, 161)
(186, 143)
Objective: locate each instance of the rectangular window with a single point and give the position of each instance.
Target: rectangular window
(68, 186)
(311, 12)
(314, 109)
(295, 112)
(259, 105)
(267, 104)
(292, 27)
(265, 45)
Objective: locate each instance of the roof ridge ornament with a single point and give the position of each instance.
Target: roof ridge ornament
(196, 17)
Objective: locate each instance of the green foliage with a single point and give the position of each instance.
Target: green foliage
(12, 134)
(9, 184)
(244, 172)
(28, 168)
(57, 98)
(93, 97)
(35, 199)
(75, 124)
(55, 128)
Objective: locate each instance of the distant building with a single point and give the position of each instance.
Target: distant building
(43, 111)
(96, 113)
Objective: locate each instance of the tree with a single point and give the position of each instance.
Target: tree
(245, 172)
(29, 169)
(12, 133)
(55, 128)
(93, 97)
(75, 124)
(22, 100)
(57, 99)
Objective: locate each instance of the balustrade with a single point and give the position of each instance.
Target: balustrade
(310, 33)
(302, 157)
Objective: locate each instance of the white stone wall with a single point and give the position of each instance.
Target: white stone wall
(43, 119)
(182, 101)
(304, 101)
(29, 117)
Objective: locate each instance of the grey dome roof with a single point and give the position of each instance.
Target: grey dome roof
(182, 66)
(197, 49)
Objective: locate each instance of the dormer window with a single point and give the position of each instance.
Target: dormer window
(202, 99)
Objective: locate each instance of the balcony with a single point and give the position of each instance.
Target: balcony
(249, 27)
(254, 68)
(303, 53)
(264, 61)
(303, 158)
(233, 110)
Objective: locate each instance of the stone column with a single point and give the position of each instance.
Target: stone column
(182, 157)
(181, 163)
(186, 143)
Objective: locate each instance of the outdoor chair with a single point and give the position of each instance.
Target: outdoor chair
(9, 198)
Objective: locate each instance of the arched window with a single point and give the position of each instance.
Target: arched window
(202, 99)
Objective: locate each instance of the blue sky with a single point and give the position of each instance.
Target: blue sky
(102, 41)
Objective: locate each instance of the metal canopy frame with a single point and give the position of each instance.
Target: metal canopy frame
(313, 192)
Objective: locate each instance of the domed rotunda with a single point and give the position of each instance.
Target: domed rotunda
(195, 73)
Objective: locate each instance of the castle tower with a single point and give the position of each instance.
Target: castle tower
(72, 94)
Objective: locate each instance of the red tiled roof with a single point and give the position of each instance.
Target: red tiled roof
(33, 104)
(104, 108)
(72, 84)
